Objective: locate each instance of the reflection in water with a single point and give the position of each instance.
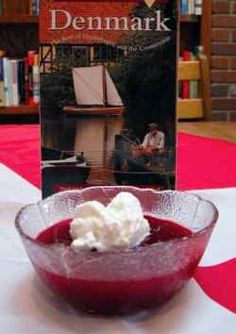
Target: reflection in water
(95, 136)
(59, 134)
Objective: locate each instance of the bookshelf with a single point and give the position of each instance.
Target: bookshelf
(196, 29)
(18, 35)
(195, 48)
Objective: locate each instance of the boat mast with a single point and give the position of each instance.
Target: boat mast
(105, 105)
(105, 101)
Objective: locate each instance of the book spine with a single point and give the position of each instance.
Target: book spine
(191, 7)
(15, 92)
(184, 7)
(1, 7)
(31, 55)
(6, 81)
(193, 83)
(21, 81)
(36, 80)
(35, 7)
(198, 7)
(10, 82)
(199, 50)
(2, 97)
(26, 80)
(185, 83)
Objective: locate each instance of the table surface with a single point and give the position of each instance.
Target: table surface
(217, 130)
(26, 307)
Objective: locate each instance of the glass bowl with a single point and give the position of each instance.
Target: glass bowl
(118, 282)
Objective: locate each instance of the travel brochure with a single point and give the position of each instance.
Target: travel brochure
(108, 93)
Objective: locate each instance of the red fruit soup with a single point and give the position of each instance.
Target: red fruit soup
(115, 295)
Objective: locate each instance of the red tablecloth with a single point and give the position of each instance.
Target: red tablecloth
(202, 162)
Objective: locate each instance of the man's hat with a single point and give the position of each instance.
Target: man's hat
(153, 126)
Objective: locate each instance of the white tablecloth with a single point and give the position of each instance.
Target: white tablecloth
(26, 307)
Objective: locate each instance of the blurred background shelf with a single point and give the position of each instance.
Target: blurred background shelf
(19, 19)
(190, 19)
(19, 110)
(19, 29)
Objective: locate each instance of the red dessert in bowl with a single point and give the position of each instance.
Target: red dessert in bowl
(124, 281)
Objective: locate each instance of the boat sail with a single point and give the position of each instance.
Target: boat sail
(95, 91)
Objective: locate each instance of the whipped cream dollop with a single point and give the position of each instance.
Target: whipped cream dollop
(119, 225)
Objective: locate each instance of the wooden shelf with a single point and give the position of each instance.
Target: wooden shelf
(19, 110)
(19, 19)
(190, 18)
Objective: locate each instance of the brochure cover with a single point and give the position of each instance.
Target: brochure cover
(108, 93)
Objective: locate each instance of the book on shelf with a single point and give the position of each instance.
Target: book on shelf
(19, 80)
(36, 80)
(30, 77)
(194, 85)
(190, 89)
(1, 7)
(198, 7)
(14, 84)
(184, 7)
(6, 97)
(34, 7)
(2, 95)
(191, 7)
(186, 83)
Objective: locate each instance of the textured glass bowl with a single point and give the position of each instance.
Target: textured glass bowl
(125, 281)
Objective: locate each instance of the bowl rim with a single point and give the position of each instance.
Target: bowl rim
(194, 235)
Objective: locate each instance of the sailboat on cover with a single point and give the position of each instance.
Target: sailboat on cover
(96, 93)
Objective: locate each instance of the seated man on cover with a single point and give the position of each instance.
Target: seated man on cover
(153, 143)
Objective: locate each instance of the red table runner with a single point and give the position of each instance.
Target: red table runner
(202, 162)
